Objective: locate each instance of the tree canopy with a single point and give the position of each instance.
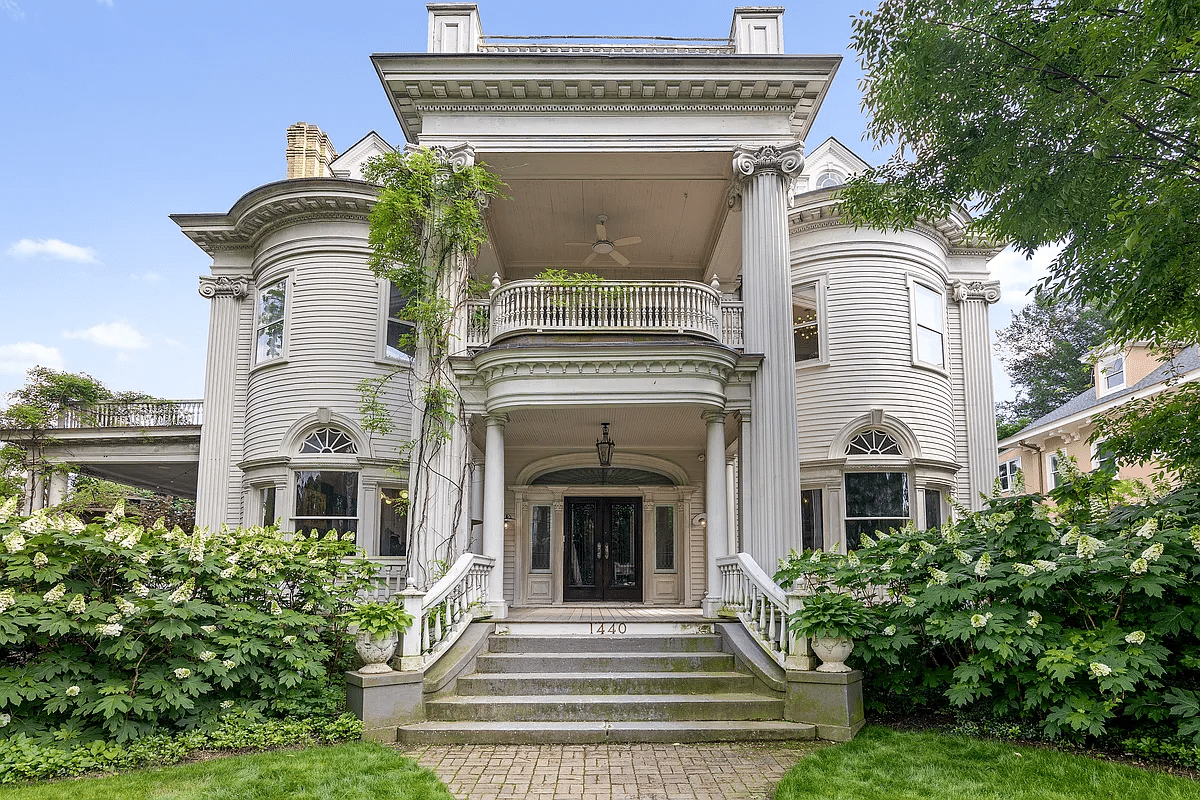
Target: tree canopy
(1041, 348)
(1067, 122)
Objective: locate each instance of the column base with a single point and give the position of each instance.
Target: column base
(710, 606)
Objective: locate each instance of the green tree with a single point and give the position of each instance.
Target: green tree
(1067, 122)
(1041, 348)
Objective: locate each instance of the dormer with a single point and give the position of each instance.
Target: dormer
(828, 166)
(1117, 368)
(350, 163)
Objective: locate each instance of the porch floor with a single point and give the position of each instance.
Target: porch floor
(605, 612)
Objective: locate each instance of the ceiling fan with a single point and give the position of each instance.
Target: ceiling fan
(603, 246)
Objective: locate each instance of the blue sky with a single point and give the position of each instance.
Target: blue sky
(116, 113)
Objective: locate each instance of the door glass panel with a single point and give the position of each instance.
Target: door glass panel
(581, 566)
(621, 544)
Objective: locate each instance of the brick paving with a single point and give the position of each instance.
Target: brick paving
(718, 771)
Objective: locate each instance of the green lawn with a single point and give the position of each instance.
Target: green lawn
(346, 772)
(882, 764)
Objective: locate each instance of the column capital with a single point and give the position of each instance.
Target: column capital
(496, 419)
(786, 160)
(982, 291)
(455, 156)
(710, 416)
(213, 286)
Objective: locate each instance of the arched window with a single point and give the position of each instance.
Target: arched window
(873, 443)
(328, 440)
(830, 178)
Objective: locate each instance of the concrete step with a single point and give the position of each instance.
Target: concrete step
(604, 683)
(545, 663)
(507, 732)
(631, 643)
(593, 708)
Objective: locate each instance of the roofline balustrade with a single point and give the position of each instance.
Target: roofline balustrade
(136, 414)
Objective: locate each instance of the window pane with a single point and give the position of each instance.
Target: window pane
(271, 301)
(540, 538)
(323, 525)
(664, 537)
(929, 308)
(268, 505)
(393, 524)
(270, 341)
(325, 493)
(806, 335)
(1114, 374)
(855, 528)
(812, 523)
(397, 328)
(929, 346)
(877, 494)
(933, 509)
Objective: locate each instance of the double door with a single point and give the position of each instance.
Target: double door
(603, 559)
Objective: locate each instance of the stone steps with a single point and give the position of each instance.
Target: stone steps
(582, 643)
(597, 662)
(594, 708)
(510, 732)
(604, 683)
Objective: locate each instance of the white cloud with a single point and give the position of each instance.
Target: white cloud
(52, 248)
(146, 276)
(12, 9)
(19, 357)
(1018, 274)
(120, 335)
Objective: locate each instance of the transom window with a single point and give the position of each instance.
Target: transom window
(873, 443)
(272, 301)
(929, 323)
(328, 440)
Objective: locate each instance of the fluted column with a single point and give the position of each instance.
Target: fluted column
(771, 503)
(974, 298)
(714, 508)
(220, 376)
(493, 511)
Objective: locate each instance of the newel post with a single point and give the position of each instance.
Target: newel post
(800, 655)
(410, 641)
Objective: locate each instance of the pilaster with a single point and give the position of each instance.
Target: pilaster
(715, 511)
(772, 481)
(974, 297)
(493, 512)
(213, 475)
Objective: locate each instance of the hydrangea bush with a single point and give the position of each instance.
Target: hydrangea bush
(114, 631)
(1081, 615)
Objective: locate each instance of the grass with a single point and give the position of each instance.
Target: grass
(882, 764)
(346, 772)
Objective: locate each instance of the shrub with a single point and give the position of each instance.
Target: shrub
(1078, 617)
(113, 631)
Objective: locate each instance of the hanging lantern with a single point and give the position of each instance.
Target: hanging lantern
(604, 447)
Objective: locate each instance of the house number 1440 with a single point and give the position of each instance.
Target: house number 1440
(605, 628)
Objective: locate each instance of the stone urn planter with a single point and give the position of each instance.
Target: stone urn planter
(376, 651)
(833, 652)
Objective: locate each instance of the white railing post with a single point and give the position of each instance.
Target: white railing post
(799, 656)
(410, 641)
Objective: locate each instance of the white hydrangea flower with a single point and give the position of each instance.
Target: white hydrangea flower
(1137, 637)
(908, 600)
(131, 541)
(144, 556)
(140, 590)
(226, 704)
(228, 572)
(14, 542)
(208, 628)
(275, 609)
(1069, 538)
(207, 655)
(35, 524)
(125, 607)
(55, 594)
(72, 691)
(1034, 619)
(1024, 569)
(963, 556)
(890, 630)
(1045, 566)
(1153, 552)
(1099, 670)
(289, 640)
(852, 559)
(927, 547)
(1194, 535)
(951, 536)
(979, 620)
(886, 566)
(1088, 546)
(110, 629)
(183, 672)
(1139, 566)
(78, 604)
(903, 548)
(1148, 528)
(867, 541)
(8, 599)
(233, 558)
(40, 560)
(71, 524)
(184, 592)
(5, 719)
(7, 508)
(983, 565)
(117, 512)
(228, 664)
(939, 577)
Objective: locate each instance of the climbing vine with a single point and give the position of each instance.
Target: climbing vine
(426, 230)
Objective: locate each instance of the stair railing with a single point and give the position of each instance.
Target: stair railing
(442, 614)
(763, 608)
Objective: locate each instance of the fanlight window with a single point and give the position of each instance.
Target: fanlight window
(873, 443)
(328, 440)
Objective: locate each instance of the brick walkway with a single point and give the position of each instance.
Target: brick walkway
(612, 771)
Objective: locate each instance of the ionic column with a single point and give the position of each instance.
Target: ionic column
(731, 504)
(57, 488)
(220, 375)
(714, 508)
(493, 511)
(974, 298)
(771, 489)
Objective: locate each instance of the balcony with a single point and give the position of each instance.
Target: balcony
(137, 414)
(631, 307)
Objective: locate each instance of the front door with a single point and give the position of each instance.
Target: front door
(604, 548)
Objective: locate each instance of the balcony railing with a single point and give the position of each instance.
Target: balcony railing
(140, 414)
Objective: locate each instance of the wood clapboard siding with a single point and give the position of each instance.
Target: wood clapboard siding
(234, 512)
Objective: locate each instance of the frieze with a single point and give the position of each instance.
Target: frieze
(214, 286)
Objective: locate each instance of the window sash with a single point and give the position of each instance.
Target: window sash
(393, 524)
(539, 539)
(929, 322)
(272, 303)
(664, 538)
(812, 522)
(398, 328)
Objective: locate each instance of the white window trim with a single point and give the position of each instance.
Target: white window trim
(822, 323)
(1102, 387)
(288, 299)
(1009, 478)
(372, 537)
(940, 291)
(675, 534)
(1052, 474)
(1096, 455)
(529, 539)
(381, 348)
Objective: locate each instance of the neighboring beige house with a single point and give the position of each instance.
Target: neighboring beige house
(1120, 376)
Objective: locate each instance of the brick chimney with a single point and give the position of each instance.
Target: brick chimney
(309, 152)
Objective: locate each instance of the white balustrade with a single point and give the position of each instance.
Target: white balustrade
(138, 414)
(478, 323)
(442, 614)
(732, 332)
(763, 609)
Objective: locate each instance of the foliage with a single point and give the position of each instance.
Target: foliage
(831, 615)
(91, 497)
(115, 631)
(426, 229)
(1083, 617)
(1161, 428)
(882, 764)
(379, 619)
(1057, 123)
(357, 771)
(1044, 350)
(1177, 751)
(562, 277)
